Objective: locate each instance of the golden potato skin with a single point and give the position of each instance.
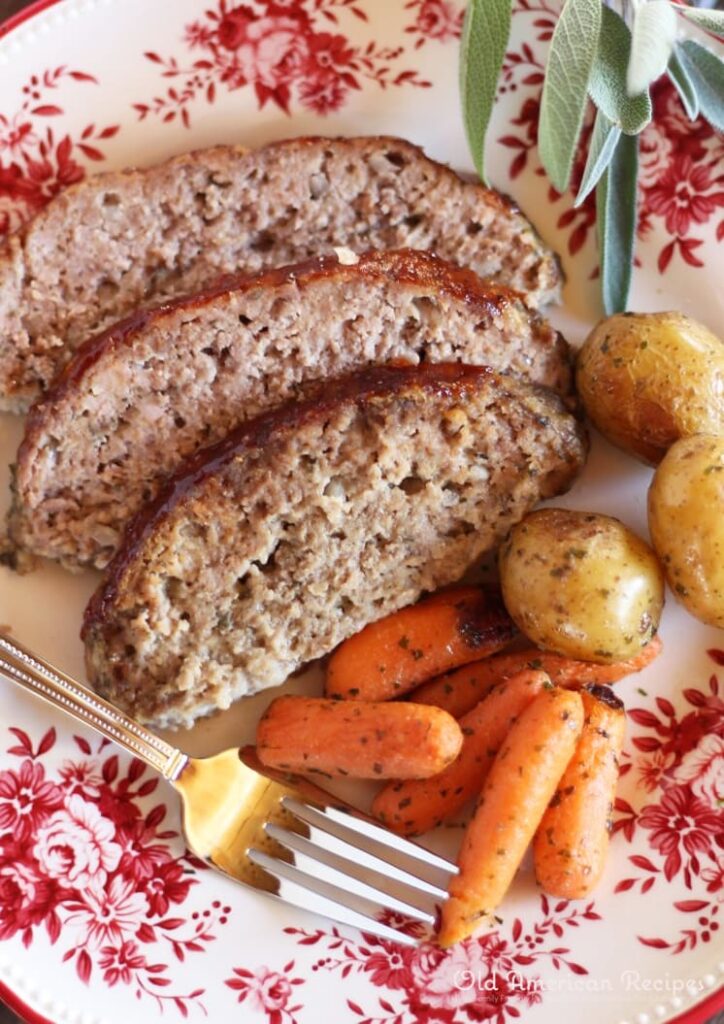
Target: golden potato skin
(686, 521)
(647, 379)
(582, 585)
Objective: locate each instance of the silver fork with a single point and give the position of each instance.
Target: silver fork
(274, 832)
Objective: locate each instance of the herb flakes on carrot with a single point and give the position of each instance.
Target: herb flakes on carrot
(458, 692)
(390, 657)
(519, 786)
(415, 806)
(365, 741)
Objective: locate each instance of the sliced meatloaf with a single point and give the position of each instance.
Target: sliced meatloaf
(136, 400)
(121, 239)
(312, 520)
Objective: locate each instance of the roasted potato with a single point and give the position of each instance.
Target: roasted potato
(686, 520)
(647, 379)
(581, 585)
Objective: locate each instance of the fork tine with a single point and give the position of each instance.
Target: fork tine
(343, 846)
(362, 835)
(338, 870)
(305, 891)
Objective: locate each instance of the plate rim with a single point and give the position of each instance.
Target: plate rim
(28, 12)
(700, 1012)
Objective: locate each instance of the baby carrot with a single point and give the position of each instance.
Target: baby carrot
(311, 735)
(460, 691)
(571, 843)
(417, 805)
(516, 793)
(390, 657)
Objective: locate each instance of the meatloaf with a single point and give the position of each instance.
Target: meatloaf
(150, 391)
(125, 238)
(314, 519)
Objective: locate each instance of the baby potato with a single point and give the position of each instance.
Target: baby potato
(686, 520)
(647, 379)
(581, 585)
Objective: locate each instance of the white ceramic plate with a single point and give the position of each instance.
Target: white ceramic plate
(102, 917)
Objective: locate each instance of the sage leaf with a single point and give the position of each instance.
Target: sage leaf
(563, 103)
(706, 72)
(608, 77)
(653, 38)
(712, 21)
(485, 33)
(600, 150)
(683, 85)
(616, 222)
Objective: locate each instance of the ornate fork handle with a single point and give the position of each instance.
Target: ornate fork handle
(58, 689)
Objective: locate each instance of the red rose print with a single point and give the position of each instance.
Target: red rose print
(435, 19)
(267, 992)
(26, 896)
(232, 30)
(85, 861)
(285, 53)
(26, 800)
(77, 845)
(482, 978)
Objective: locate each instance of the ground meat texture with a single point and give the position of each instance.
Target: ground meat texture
(125, 238)
(136, 400)
(298, 529)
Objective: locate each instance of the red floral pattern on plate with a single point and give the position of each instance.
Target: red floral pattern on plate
(285, 52)
(81, 859)
(680, 178)
(268, 992)
(683, 756)
(490, 977)
(36, 162)
(434, 19)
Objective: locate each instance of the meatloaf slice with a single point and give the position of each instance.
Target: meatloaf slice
(136, 400)
(118, 240)
(314, 519)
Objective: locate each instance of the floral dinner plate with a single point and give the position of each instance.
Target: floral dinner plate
(103, 914)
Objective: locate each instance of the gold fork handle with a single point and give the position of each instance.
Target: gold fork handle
(34, 674)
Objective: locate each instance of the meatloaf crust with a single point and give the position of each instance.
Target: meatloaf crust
(122, 239)
(137, 399)
(308, 522)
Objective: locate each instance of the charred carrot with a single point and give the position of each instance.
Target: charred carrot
(460, 691)
(390, 657)
(415, 806)
(520, 784)
(572, 839)
(367, 741)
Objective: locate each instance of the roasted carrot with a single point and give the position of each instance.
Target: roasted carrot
(390, 657)
(460, 691)
(520, 784)
(417, 805)
(571, 842)
(314, 736)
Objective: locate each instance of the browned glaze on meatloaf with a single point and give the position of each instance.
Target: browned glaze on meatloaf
(122, 239)
(308, 522)
(137, 399)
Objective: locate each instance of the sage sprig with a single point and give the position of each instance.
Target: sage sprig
(610, 58)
